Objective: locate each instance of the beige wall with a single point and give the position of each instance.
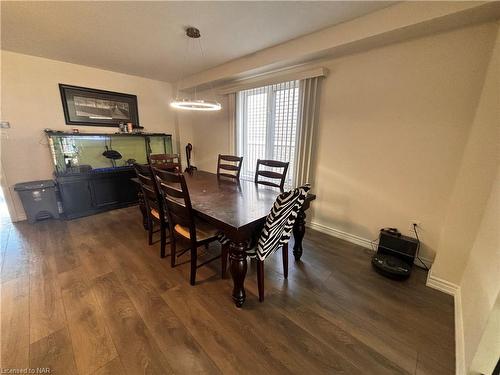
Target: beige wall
(480, 284)
(470, 242)
(486, 356)
(393, 124)
(473, 183)
(31, 102)
(392, 128)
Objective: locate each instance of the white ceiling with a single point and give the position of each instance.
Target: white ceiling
(148, 38)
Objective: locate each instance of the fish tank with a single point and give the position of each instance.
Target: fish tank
(77, 153)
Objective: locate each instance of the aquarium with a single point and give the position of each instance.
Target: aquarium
(75, 153)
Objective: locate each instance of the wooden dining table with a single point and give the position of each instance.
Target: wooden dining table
(238, 209)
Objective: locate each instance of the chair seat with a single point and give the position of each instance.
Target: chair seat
(155, 213)
(204, 231)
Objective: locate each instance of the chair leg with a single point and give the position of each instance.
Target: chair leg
(260, 279)
(172, 252)
(194, 262)
(224, 256)
(163, 242)
(285, 260)
(150, 232)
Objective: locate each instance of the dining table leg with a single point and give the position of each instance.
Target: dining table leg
(299, 229)
(238, 259)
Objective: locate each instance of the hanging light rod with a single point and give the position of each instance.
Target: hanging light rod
(195, 104)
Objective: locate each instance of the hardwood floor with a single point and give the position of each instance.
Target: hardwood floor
(89, 296)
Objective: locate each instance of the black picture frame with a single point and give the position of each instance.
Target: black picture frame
(93, 107)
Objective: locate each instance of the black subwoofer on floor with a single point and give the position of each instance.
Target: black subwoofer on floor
(395, 254)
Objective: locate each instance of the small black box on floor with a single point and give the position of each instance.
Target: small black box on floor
(395, 254)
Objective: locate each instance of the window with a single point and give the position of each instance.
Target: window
(266, 126)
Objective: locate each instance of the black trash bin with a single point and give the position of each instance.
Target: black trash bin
(39, 199)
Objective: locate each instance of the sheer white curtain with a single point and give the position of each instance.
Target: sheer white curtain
(307, 129)
(231, 112)
(277, 122)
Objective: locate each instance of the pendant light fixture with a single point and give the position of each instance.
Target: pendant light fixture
(195, 103)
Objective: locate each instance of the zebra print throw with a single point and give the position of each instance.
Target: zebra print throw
(279, 223)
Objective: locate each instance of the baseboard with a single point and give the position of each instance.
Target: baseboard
(441, 285)
(459, 335)
(453, 290)
(21, 217)
(364, 242)
(341, 234)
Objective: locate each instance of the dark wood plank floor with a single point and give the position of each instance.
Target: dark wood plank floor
(89, 296)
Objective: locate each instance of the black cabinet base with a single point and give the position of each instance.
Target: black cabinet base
(91, 193)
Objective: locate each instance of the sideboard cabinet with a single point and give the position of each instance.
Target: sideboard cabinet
(93, 171)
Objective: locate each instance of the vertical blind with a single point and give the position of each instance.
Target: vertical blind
(266, 126)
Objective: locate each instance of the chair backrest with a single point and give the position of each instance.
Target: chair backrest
(280, 176)
(233, 167)
(169, 162)
(176, 200)
(149, 188)
(279, 223)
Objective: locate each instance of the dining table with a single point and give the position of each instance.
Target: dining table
(237, 208)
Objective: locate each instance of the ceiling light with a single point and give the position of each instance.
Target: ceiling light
(195, 104)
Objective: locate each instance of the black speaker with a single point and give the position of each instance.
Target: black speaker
(395, 254)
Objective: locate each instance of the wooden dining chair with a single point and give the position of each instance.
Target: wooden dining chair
(155, 212)
(183, 224)
(168, 162)
(276, 232)
(273, 175)
(231, 164)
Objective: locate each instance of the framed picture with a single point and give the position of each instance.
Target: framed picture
(84, 106)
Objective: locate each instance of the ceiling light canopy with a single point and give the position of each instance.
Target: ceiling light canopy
(195, 104)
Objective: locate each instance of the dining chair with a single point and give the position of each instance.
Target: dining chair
(276, 232)
(231, 164)
(269, 174)
(169, 162)
(155, 212)
(184, 225)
